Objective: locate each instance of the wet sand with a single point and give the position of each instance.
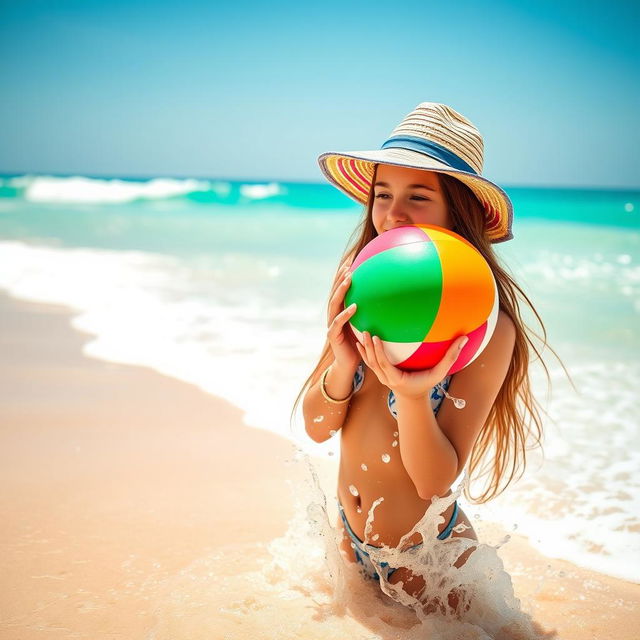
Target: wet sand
(115, 477)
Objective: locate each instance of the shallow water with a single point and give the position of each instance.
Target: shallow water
(299, 586)
(224, 285)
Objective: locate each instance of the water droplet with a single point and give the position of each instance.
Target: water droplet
(394, 443)
(353, 490)
(332, 432)
(476, 516)
(459, 403)
(628, 207)
(364, 467)
(359, 509)
(386, 457)
(375, 536)
(395, 434)
(318, 419)
(353, 545)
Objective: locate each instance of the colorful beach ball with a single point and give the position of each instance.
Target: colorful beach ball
(419, 287)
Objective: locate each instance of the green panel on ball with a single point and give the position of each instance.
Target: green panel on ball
(398, 292)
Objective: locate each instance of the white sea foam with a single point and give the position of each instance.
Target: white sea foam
(582, 501)
(261, 191)
(222, 328)
(249, 328)
(80, 189)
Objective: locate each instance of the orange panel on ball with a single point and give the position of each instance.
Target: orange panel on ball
(467, 277)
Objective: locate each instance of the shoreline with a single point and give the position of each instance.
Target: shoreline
(116, 477)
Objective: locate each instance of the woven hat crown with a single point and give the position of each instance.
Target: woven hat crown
(442, 124)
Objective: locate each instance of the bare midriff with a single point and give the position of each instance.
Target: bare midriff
(366, 436)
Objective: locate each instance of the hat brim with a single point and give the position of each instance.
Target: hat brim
(352, 172)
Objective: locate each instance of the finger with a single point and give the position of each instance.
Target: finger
(390, 372)
(338, 278)
(369, 350)
(451, 356)
(363, 353)
(336, 302)
(338, 308)
(336, 287)
(373, 355)
(347, 263)
(341, 319)
(381, 356)
(345, 282)
(336, 329)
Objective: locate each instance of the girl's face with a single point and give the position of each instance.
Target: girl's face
(407, 196)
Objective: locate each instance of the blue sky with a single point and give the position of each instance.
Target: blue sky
(258, 90)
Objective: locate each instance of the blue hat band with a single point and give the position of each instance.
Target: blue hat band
(431, 149)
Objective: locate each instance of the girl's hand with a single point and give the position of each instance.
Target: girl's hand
(340, 338)
(411, 384)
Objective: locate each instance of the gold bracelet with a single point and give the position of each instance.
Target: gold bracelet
(324, 391)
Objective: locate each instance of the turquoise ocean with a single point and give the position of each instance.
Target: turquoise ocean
(224, 284)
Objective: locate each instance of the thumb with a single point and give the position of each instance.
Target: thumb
(454, 351)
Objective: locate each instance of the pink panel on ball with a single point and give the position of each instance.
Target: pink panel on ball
(430, 353)
(388, 240)
(469, 350)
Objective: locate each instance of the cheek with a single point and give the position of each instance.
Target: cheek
(448, 220)
(377, 217)
(441, 215)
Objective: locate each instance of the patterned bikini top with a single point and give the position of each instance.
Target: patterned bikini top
(437, 393)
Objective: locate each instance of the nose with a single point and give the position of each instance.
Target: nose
(396, 214)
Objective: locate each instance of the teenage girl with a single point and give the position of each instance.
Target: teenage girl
(402, 435)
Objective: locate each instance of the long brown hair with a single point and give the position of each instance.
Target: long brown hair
(514, 418)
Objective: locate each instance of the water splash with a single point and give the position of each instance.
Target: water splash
(299, 586)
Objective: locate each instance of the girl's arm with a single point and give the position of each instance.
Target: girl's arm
(479, 384)
(321, 416)
(427, 454)
(434, 452)
(325, 412)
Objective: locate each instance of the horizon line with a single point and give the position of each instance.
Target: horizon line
(139, 177)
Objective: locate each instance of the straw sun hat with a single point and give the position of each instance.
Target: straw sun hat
(432, 137)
